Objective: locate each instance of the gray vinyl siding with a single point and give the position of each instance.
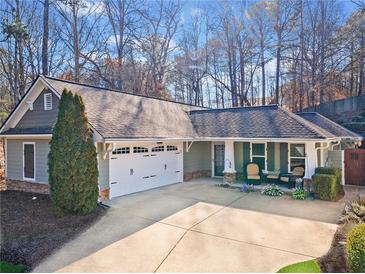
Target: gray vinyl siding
(38, 117)
(334, 158)
(15, 159)
(103, 166)
(199, 157)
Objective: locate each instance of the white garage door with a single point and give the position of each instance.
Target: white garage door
(140, 167)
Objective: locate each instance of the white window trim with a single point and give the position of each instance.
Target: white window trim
(34, 162)
(296, 157)
(45, 96)
(263, 156)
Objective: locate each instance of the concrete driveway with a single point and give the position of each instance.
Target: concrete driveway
(197, 227)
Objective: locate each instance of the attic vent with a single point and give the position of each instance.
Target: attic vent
(48, 101)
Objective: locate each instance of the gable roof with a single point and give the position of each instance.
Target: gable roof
(328, 125)
(269, 121)
(123, 115)
(118, 115)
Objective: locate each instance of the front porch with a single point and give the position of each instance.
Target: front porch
(228, 159)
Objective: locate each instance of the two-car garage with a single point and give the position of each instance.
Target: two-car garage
(138, 167)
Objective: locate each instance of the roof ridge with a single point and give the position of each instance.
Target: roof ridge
(329, 120)
(235, 108)
(120, 91)
(307, 124)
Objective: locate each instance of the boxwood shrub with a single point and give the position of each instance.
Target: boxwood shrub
(355, 249)
(330, 171)
(325, 186)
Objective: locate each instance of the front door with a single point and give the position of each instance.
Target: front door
(218, 159)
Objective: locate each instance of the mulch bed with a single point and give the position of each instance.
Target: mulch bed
(31, 230)
(335, 259)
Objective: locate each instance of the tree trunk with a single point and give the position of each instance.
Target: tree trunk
(75, 45)
(45, 38)
(263, 74)
(362, 61)
(277, 80)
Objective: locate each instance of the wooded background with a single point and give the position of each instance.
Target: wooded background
(296, 53)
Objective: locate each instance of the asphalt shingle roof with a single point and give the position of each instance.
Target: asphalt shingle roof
(327, 124)
(122, 115)
(30, 131)
(116, 114)
(254, 122)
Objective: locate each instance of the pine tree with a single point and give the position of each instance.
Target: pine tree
(72, 164)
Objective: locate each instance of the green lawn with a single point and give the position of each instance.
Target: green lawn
(303, 267)
(11, 268)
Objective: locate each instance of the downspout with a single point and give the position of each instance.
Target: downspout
(336, 143)
(327, 145)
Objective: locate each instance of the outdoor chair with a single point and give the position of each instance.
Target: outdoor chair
(253, 174)
(289, 178)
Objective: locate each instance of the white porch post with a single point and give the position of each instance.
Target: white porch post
(311, 159)
(229, 166)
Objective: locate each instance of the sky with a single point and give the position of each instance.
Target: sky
(190, 5)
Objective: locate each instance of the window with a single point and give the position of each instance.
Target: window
(159, 148)
(123, 150)
(48, 101)
(297, 156)
(258, 155)
(171, 148)
(28, 161)
(140, 149)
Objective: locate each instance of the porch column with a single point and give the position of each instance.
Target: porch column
(310, 159)
(229, 173)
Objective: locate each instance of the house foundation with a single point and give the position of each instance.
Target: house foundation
(229, 177)
(197, 174)
(27, 186)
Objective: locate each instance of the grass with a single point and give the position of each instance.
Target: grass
(303, 267)
(11, 268)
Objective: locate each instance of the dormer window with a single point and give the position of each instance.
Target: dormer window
(48, 101)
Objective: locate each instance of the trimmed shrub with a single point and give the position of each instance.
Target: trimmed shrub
(330, 171)
(355, 249)
(72, 163)
(325, 186)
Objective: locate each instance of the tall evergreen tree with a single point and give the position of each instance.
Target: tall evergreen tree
(72, 163)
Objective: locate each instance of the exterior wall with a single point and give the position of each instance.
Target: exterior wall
(336, 158)
(14, 164)
(103, 167)
(198, 160)
(38, 117)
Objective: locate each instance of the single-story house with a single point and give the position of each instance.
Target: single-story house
(145, 142)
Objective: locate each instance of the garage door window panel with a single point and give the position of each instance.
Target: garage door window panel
(122, 150)
(158, 149)
(140, 149)
(171, 148)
